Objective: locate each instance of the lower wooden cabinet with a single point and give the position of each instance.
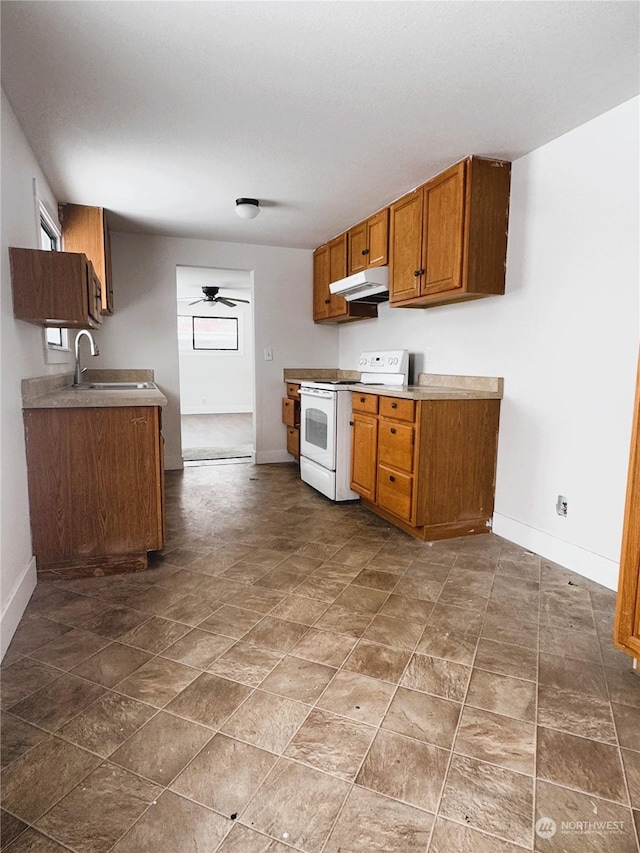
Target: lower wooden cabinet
(627, 625)
(427, 466)
(96, 487)
(291, 418)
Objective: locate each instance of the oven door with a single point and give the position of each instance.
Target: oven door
(318, 411)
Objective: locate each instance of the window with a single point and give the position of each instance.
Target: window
(50, 241)
(207, 333)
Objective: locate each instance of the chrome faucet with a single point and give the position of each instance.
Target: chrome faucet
(77, 380)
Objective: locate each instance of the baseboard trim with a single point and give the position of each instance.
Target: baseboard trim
(173, 463)
(593, 566)
(16, 604)
(267, 457)
(216, 410)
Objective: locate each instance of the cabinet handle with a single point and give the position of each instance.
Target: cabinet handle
(327, 301)
(365, 251)
(393, 430)
(362, 399)
(418, 273)
(394, 405)
(350, 423)
(392, 479)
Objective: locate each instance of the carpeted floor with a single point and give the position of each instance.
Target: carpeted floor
(196, 454)
(222, 436)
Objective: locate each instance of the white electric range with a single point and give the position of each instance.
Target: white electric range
(325, 415)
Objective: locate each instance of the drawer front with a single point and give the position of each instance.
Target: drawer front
(395, 445)
(367, 403)
(290, 412)
(293, 390)
(397, 408)
(293, 441)
(395, 492)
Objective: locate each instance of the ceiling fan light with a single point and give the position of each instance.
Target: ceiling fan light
(247, 208)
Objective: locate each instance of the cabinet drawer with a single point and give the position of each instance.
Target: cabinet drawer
(395, 445)
(290, 412)
(367, 403)
(395, 407)
(395, 492)
(293, 441)
(293, 390)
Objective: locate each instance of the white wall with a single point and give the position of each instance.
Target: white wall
(565, 338)
(214, 381)
(142, 331)
(22, 356)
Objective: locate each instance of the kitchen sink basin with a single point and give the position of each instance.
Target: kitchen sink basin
(114, 386)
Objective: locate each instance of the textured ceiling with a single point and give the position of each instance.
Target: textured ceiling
(165, 112)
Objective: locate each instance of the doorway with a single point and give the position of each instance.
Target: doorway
(214, 310)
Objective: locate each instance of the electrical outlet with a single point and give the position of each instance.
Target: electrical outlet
(268, 353)
(562, 505)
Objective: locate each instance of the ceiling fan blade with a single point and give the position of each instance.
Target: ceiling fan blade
(246, 301)
(226, 302)
(197, 300)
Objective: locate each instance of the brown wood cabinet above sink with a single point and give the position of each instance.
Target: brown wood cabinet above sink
(55, 289)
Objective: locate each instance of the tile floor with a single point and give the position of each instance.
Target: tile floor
(296, 675)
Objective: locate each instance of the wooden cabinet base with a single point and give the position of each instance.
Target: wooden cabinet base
(94, 567)
(432, 532)
(96, 487)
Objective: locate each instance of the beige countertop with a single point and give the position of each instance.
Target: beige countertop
(431, 386)
(56, 392)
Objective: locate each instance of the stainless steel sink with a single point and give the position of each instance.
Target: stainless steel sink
(114, 386)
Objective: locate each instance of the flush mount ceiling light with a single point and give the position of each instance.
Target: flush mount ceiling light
(247, 208)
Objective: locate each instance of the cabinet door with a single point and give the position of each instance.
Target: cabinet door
(293, 441)
(337, 270)
(84, 229)
(321, 295)
(364, 453)
(290, 411)
(443, 239)
(378, 239)
(405, 247)
(358, 248)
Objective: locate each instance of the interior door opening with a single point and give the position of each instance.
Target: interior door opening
(214, 320)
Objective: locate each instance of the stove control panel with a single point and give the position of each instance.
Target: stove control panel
(388, 367)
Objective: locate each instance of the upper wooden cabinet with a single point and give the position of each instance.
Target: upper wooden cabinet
(330, 264)
(448, 238)
(627, 625)
(84, 229)
(55, 289)
(369, 243)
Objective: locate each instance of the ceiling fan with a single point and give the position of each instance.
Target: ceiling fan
(211, 295)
